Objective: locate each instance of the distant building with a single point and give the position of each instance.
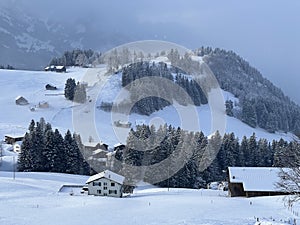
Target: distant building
(20, 100)
(43, 105)
(106, 183)
(59, 69)
(92, 146)
(50, 87)
(12, 139)
(254, 181)
(123, 124)
(96, 153)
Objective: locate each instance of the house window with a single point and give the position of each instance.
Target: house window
(105, 184)
(112, 192)
(99, 192)
(105, 188)
(99, 184)
(112, 184)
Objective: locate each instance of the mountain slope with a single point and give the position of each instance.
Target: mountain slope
(262, 104)
(28, 42)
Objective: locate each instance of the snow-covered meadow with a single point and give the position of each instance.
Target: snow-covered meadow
(33, 199)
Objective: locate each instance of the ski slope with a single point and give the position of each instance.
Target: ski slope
(33, 199)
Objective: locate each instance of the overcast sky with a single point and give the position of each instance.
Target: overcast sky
(264, 32)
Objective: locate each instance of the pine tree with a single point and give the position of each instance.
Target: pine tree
(24, 160)
(244, 149)
(229, 107)
(58, 161)
(253, 157)
(70, 89)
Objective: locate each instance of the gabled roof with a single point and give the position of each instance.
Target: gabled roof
(92, 144)
(20, 97)
(256, 178)
(60, 67)
(118, 145)
(107, 174)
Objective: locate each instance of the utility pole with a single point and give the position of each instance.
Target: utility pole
(14, 168)
(1, 149)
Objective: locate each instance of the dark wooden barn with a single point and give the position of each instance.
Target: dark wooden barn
(254, 181)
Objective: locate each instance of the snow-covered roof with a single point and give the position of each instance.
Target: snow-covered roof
(59, 67)
(107, 174)
(256, 178)
(20, 97)
(92, 144)
(15, 135)
(117, 145)
(97, 151)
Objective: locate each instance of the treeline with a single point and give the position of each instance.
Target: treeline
(192, 146)
(165, 91)
(77, 57)
(45, 150)
(260, 102)
(7, 67)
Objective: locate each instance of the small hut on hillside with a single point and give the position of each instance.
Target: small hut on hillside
(20, 100)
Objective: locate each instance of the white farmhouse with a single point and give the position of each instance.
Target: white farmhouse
(106, 183)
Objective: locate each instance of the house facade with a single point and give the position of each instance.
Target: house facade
(106, 183)
(254, 181)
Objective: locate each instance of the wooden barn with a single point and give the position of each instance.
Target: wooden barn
(254, 181)
(20, 100)
(106, 183)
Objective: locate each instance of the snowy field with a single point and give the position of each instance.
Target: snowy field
(33, 199)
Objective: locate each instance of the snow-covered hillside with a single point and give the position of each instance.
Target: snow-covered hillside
(14, 119)
(34, 198)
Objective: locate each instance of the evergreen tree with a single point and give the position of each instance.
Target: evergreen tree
(25, 160)
(58, 161)
(229, 107)
(70, 89)
(249, 114)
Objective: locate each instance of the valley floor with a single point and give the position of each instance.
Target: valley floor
(33, 198)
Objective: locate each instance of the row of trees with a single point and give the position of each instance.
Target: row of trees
(159, 92)
(7, 67)
(75, 92)
(77, 57)
(195, 149)
(45, 150)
